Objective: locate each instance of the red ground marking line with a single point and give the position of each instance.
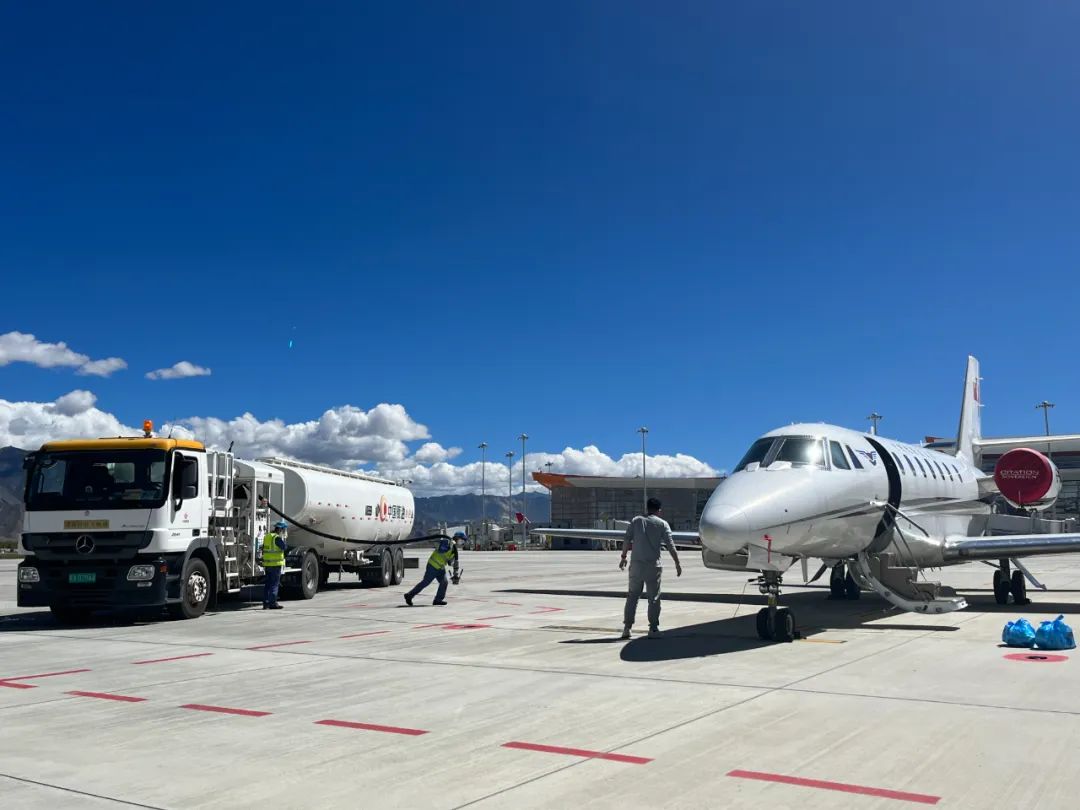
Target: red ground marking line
(12, 685)
(1038, 657)
(201, 707)
(547, 610)
(881, 793)
(412, 732)
(425, 626)
(577, 752)
(174, 658)
(512, 604)
(465, 626)
(489, 618)
(44, 675)
(369, 633)
(107, 696)
(278, 644)
(468, 599)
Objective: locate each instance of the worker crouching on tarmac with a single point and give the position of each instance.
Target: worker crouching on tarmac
(273, 562)
(648, 535)
(436, 569)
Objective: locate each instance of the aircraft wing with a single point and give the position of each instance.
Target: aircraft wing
(691, 540)
(1010, 545)
(1035, 442)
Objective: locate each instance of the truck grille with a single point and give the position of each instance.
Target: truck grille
(73, 545)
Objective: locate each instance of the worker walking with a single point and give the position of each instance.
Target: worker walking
(648, 535)
(436, 569)
(273, 562)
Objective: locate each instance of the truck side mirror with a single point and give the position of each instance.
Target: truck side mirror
(28, 460)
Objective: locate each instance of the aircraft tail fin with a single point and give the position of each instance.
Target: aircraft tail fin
(970, 418)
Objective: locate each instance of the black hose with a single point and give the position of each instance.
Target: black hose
(288, 519)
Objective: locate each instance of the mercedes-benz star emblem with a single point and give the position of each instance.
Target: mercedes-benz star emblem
(84, 544)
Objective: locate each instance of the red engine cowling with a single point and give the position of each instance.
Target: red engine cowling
(1027, 479)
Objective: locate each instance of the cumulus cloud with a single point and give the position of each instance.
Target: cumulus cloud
(345, 436)
(20, 347)
(73, 416)
(178, 371)
(433, 453)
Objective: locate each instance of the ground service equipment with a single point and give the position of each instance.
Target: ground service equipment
(148, 523)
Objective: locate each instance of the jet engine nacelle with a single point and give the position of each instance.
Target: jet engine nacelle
(1027, 479)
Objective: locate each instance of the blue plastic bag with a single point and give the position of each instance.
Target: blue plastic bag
(1019, 633)
(1055, 635)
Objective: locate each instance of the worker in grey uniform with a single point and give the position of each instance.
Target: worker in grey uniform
(648, 535)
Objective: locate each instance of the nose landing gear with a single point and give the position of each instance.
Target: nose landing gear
(773, 622)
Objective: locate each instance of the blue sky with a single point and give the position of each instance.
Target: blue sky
(568, 219)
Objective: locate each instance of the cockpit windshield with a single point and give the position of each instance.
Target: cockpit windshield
(117, 479)
(799, 451)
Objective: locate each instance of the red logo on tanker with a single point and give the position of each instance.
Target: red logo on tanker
(384, 508)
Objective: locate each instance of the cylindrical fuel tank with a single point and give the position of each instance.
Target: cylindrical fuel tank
(352, 505)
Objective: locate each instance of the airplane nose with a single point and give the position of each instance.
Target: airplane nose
(725, 528)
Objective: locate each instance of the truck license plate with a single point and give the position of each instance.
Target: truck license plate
(76, 578)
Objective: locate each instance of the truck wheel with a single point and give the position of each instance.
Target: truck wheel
(69, 615)
(386, 564)
(399, 566)
(194, 591)
(309, 576)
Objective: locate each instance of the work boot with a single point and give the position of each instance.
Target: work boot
(408, 600)
(439, 602)
(276, 607)
(625, 633)
(654, 632)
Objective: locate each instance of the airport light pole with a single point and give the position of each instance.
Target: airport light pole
(483, 486)
(524, 499)
(510, 490)
(874, 418)
(644, 431)
(1046, 406)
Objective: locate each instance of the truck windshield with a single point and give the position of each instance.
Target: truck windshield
(112, 479)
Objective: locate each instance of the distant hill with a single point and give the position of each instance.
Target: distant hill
(430, 512)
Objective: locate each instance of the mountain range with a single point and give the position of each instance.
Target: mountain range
(450, 510)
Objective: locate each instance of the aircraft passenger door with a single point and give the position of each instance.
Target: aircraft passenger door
(883, 534)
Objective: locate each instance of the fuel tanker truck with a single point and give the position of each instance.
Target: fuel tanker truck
(148, 523)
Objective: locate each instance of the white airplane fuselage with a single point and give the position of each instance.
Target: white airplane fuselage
(816, 490)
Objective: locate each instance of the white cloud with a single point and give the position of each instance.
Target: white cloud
(20, 347)
(178, 371)
(73, 416)
(434, 453)
(345, 436)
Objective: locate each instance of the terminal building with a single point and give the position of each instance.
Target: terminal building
(597, 502)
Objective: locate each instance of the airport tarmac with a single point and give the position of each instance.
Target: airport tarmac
(519, 694)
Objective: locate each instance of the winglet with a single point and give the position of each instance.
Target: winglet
(970, 418)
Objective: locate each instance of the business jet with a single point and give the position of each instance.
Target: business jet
(877, 512)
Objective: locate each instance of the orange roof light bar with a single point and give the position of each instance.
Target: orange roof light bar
(148, 428)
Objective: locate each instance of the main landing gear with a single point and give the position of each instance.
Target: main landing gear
(774, 623)
(1006, 584)
(841, 584)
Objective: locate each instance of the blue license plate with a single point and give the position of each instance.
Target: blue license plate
(81, 578)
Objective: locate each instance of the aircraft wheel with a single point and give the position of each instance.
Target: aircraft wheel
(1019, 588)
(851, 588)
(784, 629)
(837, 583)
(1002, 587)
(763, 630)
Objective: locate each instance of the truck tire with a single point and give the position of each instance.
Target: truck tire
(309, 576)
(386, 569)
(194, 591)
(399, 566)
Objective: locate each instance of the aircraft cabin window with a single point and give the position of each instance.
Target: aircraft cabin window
(839, 460)
(801, 452)
(959, 477)
(921, 467)
(944, 471)
(931, 467)
(912, 466)
(855, 459)
(756, 454)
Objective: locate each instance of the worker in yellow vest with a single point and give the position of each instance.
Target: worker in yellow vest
(274, 546)
(446, 552)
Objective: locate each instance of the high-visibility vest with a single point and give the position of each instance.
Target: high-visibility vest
(273, 557)
(439, 559)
